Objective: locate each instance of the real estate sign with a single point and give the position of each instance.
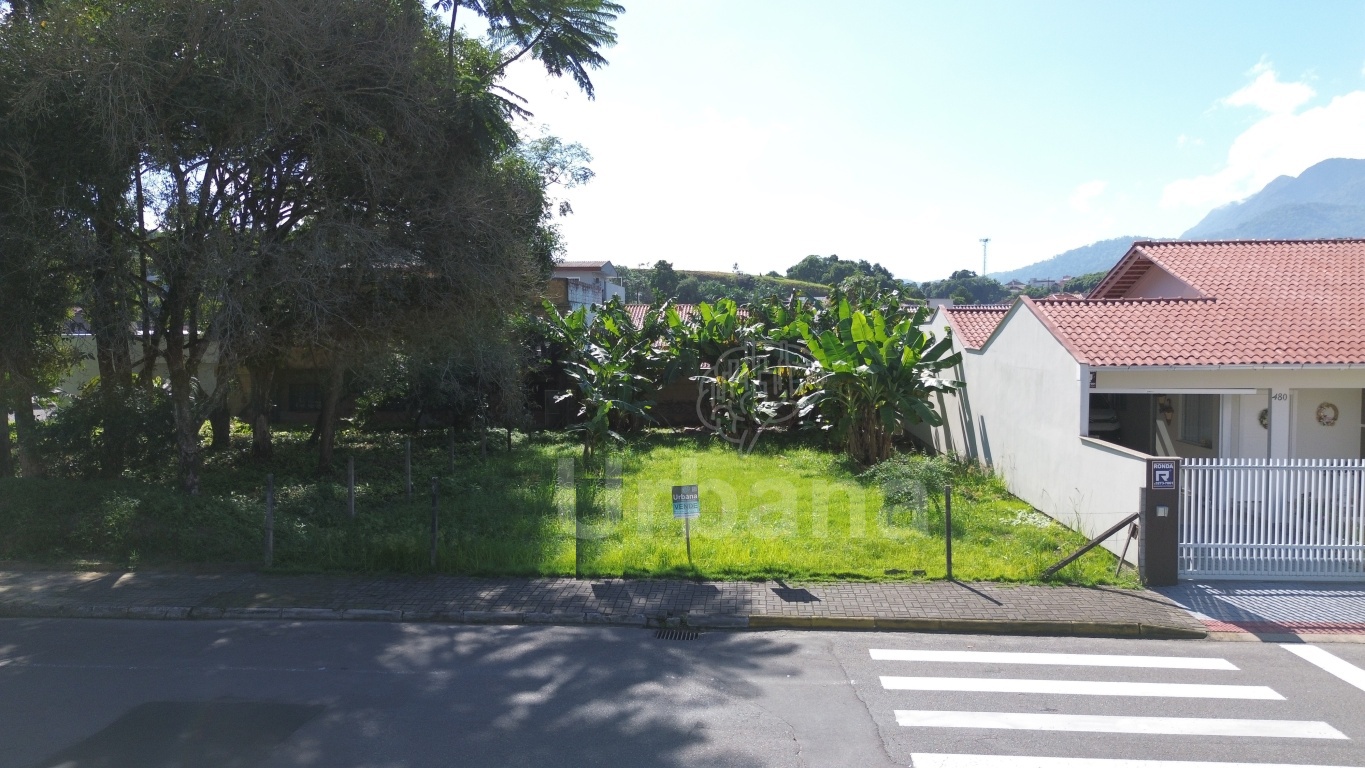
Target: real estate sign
(686, 502)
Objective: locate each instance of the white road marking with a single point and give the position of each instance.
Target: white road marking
(1060, 659)
(1172, 726)
(1079, 687)
(931, 760)
(1333, 664)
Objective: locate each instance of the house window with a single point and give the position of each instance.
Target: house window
(1199, 419)
(305, 395)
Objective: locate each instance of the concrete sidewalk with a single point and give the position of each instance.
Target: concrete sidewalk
(933, 606)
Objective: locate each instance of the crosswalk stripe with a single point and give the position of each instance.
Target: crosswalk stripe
(1079, 687)
(934, 760)
(1059, 659)
(1170, 726)
(1327, 661)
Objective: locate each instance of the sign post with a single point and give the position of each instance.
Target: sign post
(686, 505)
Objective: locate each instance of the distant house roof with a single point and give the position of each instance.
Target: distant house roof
(586, 266)
(1254, 302)
(637, 312)
(973, 323)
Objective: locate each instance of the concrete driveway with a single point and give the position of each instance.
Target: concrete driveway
(1274, 607)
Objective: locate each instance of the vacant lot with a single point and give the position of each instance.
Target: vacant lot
(788, 510)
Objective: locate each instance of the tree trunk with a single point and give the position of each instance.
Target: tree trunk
(186, 425)
(220, 416)
(186, 433)
(869, 443)
(6, 458)
(327, 421)
(262, 382)
(220, 420)
(109, 317)
(26, 428)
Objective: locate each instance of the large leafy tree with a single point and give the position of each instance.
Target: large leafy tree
(831, 271)
(566, 36)
(263, 176)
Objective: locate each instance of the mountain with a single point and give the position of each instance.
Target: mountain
(1096, 257)
(1327, 200)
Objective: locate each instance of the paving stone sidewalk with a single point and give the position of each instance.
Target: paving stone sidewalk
(948, 606)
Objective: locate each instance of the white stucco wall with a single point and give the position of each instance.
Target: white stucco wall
(1024, 396)
(1160, 284)
(1311, 440)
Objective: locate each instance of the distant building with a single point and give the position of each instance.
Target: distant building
(584, 283)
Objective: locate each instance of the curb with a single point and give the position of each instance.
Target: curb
(564, 618)
(980, 626)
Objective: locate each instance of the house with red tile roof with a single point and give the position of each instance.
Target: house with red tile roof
(1231, 349)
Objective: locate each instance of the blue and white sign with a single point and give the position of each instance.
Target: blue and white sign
(686, 502)
(1163, 475)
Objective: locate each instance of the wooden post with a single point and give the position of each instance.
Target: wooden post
(433, 522)
(407, 467)
(350, 486)
(948, 526)
(269, 520)
(687, 531)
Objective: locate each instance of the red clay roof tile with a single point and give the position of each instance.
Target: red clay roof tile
(1275, 302)
(974, 323)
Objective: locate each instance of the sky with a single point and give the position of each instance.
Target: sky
(756, 132)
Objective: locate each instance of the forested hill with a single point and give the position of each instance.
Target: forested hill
(1327, 200)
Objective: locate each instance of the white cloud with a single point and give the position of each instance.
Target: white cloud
(1085, 194)
(1282, 143)
(1269, 94)
(1183, 141)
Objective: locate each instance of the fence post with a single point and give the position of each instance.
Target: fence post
(433, 522)
(350, 486)
(407, 466)
(948, 526)
(269, 520)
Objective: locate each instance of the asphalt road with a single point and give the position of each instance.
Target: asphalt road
(108, 694)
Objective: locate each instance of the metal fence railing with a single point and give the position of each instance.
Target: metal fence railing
(1272, 518)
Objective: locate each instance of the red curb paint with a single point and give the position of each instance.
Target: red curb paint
(1286, 627)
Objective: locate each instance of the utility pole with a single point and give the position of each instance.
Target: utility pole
(984, 242)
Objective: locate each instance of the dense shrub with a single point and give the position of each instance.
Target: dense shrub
(92, 436)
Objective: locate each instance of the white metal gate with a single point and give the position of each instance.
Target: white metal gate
(1272, 519)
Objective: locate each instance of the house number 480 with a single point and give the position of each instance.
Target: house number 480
(1280, 396)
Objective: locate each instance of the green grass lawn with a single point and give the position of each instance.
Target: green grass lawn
(786, 511)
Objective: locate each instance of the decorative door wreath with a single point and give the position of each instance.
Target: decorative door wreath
(1264, 418)
(1328, 414)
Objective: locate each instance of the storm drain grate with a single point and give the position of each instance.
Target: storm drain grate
(677, 634)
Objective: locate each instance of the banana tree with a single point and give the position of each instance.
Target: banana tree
(870, 379)
(608, 392)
